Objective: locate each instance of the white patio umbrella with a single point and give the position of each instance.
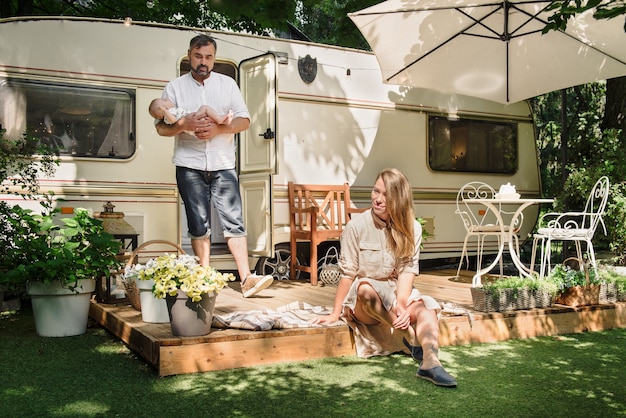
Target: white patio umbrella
(489, 49)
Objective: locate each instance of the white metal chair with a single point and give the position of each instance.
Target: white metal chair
(479, 221)
(572, 226)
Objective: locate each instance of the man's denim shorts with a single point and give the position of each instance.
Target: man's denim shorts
(197, 188)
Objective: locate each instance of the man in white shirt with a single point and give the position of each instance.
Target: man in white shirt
(205, 162)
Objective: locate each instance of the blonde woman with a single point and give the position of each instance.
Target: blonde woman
(375, 295)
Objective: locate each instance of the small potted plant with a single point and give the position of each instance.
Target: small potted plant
(613, 285)
(189, 289)
(578, 284)
(61, 257)
(620, 285)
(513, 293)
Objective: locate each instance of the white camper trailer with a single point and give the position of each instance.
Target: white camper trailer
(320, 115)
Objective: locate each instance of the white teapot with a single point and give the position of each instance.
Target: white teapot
(508, 191)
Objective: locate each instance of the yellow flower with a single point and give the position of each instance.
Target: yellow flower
(171, 273)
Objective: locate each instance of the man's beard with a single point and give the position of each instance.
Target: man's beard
(201, 70)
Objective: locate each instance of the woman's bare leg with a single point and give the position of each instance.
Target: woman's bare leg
(369, 310)
(427, 333)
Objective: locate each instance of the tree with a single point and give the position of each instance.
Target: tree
(323, 21)
(615, 110)
(327, 22)
(565, 10)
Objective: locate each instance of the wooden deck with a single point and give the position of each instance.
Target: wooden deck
(232, 348)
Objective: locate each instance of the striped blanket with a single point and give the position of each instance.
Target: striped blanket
(293, 315)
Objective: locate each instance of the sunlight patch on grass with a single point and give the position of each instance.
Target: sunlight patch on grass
(21, 391)
(80, 408)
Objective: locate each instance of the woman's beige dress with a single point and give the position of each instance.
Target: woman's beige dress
(364, 257)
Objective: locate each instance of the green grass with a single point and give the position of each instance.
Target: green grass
(95, 375)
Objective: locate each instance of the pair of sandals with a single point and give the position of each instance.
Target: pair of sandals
(436, 375)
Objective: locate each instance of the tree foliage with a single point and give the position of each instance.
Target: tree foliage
(323, 21)
(22, 162)
(592, 151)
(327, 22)
(564, 10)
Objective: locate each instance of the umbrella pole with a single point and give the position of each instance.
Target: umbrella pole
(564, 141)
(564, 135)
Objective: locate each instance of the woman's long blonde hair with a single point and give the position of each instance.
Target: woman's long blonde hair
(399, 200)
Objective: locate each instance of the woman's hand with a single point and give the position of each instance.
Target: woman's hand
(325, 320)
(403, 318)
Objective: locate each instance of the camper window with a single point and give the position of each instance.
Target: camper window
(472, 145)
(79, 121)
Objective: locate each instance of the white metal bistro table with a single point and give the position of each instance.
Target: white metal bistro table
(496, 205)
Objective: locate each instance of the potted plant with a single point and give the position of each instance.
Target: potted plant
(189, 289)
(620, 285)
(578, 284)
(613, 285)
(513, 293)
(59, 260)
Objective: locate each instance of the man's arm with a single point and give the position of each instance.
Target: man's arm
(190, 123)
(204, 127)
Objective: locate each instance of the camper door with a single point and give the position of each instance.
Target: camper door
(257, 152)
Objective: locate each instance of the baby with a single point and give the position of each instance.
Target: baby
(163, 109)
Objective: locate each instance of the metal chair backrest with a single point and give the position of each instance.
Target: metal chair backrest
(475, 215)
(596, 205)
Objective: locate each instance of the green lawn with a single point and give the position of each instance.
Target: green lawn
(95, 375)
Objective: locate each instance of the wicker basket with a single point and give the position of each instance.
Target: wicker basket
(132, 294)
(329, 271)
(589, 294)
(608, 293)
(509, 299)
(130, 286)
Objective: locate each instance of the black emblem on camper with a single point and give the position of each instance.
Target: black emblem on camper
(307, 67)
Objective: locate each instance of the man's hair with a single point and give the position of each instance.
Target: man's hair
(200, 41)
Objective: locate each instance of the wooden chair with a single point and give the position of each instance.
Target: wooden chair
(317, 213)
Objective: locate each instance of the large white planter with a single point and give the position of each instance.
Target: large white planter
(59, 311)
(153, 310)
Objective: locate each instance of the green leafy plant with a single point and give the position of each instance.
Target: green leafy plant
(566, 277)
(46, 248)
(425, 233)
(609, 275)
(22, 162)
(520, 283)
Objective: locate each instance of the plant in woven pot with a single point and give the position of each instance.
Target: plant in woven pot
(613, 285)
(189, 290)
(513, 293)
(620, 286)
(578, 284)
